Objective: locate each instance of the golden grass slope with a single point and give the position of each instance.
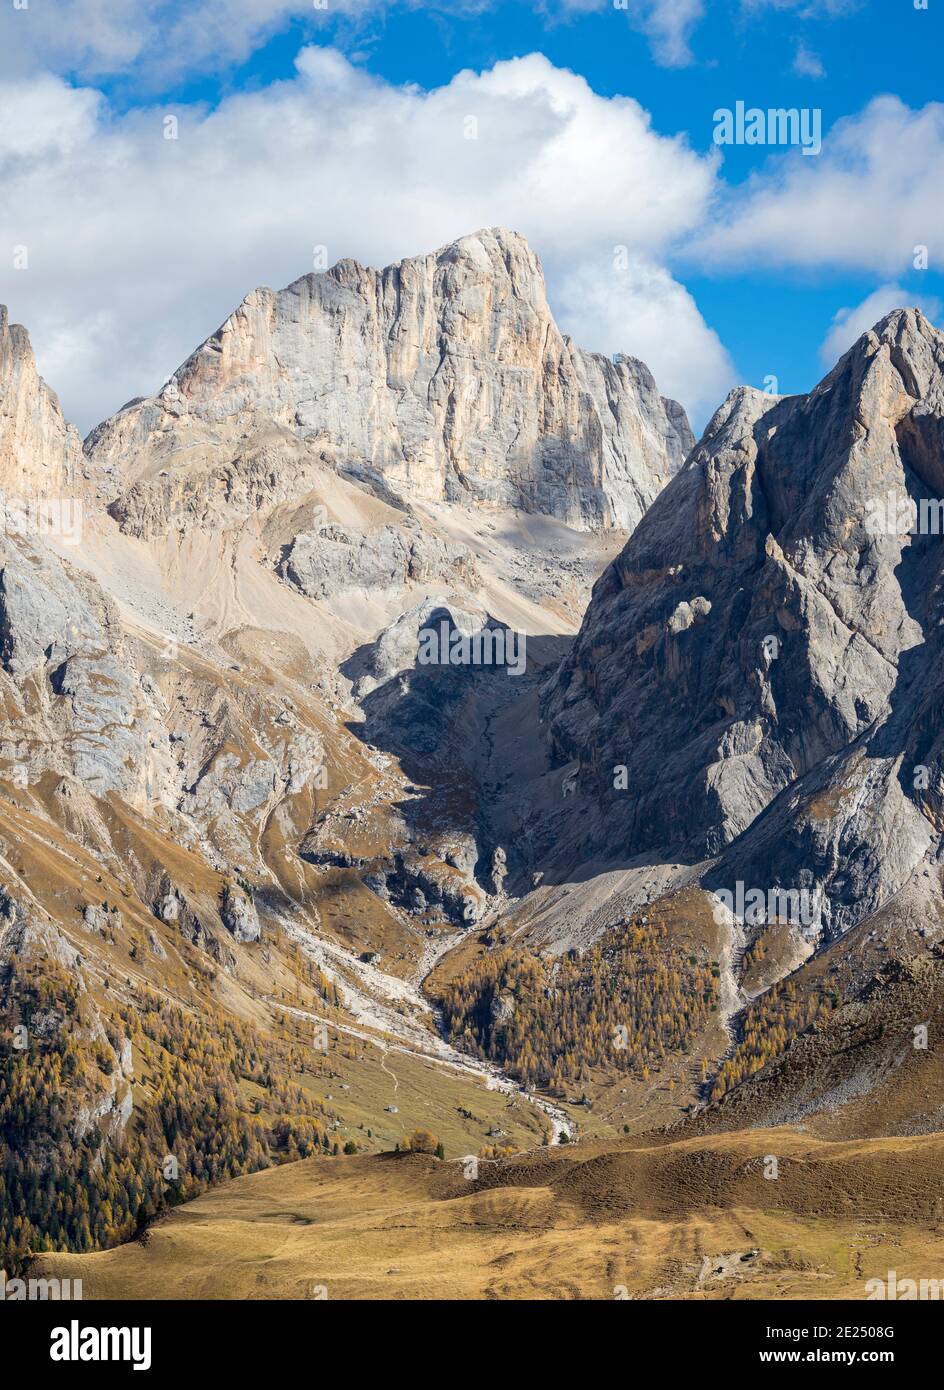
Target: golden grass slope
(692, 1219)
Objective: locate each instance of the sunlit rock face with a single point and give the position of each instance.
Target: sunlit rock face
(40, 455)
(445, 376)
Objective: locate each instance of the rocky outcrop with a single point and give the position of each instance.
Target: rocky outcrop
(101, 919)
(445, 374)
(212, 489)
(418, 881)
(239, 914)
(40, 455)
(335, 559)
(760, 673)
(74, 703)
(396, 649)
(195, 920)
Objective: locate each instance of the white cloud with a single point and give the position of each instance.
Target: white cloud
(850, 324)
(669, 24)
(874, 193)
(616, 304)
(44, 119)
(92, 38)
(140, 246)
(806, 63)
(76, 35)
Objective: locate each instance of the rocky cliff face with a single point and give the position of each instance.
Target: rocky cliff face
(760, 673)
(73, 702)
(40, 455)
(444, 376)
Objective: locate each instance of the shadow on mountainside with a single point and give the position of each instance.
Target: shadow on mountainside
(465, 736)
(470, 739)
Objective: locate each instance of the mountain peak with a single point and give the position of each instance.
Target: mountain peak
(444, 374)
(906, 334)
(763, 655)
(904, 322)
(494, 250)
(39, 452)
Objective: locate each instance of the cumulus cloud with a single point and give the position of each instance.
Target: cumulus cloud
(850, 324)
(621, 303)
(139, 246)
(44, 119)
(874, 194)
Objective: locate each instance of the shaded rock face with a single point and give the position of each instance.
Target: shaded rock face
(395, 652)
(764, 660)
(83, 700)
(416, 882)
(445, 374)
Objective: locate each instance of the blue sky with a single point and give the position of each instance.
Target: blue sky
(739, 278)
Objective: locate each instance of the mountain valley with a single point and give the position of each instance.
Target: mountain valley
(402, 976)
